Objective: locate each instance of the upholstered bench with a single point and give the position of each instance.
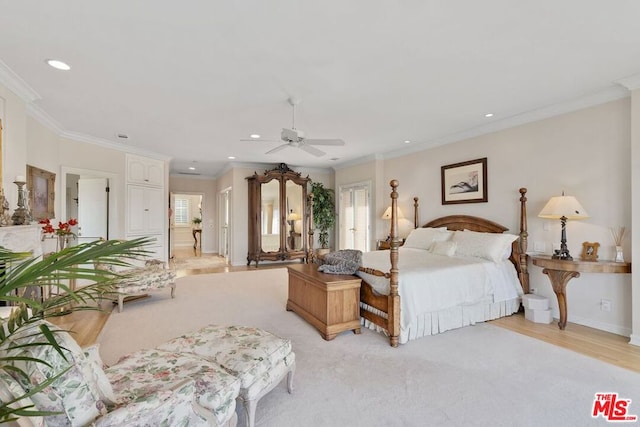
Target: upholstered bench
(258, 358)
(140, 280)
(145, 372)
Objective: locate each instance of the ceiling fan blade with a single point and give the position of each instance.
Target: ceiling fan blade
(278, 148)
(311, 150)
(324, 141)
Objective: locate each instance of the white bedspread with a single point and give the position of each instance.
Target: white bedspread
(430, 283)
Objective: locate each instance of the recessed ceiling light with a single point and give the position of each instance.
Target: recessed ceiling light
(488, 115)
(191, 168)
(406, 141)
(254, 136)
(58, 65)
(231, 157)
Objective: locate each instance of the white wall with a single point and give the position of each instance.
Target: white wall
(14, 148)
(584, 153)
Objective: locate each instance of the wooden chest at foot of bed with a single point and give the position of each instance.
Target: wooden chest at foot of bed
(329, 302)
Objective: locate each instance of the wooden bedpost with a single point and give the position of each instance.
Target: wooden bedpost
(394, 296)
(524, 236)
(310, 253)
(415, 213)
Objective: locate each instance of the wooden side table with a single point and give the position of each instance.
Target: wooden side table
(329, 302)
(197, 238)
(561, 271)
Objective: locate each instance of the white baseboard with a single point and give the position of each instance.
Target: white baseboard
(635, 340)
(607, 327)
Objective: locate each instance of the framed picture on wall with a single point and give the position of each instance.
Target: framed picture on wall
(41, 187)
(464, 182)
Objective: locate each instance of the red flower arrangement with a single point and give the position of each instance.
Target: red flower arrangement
(64, 228)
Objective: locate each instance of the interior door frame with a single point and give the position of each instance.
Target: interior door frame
(221, 243)
(113, 195)
(203, 236)
(369, 187)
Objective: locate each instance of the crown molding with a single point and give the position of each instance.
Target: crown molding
(45, 119)
(199, 176)
(360, 160)
(16, 84)
(631, 82)
(88, 139)
(612, 93)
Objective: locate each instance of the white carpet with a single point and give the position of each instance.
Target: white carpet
(481, 375)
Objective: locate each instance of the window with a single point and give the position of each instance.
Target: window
(181, 212)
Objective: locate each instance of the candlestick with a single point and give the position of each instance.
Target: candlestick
(20, 178)
(21, 215)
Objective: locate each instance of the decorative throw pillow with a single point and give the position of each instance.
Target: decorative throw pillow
(423, 238)
(92, 354)
(447, 248)
(490, 246)
(74, 394)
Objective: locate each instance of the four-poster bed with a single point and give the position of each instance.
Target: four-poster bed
(382, 304)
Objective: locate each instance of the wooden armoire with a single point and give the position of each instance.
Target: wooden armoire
(278, 220)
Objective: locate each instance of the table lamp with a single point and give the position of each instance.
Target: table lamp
(292, 218)
(387, 215)
(563, 208)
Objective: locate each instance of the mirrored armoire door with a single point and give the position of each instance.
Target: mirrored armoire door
(277, 215)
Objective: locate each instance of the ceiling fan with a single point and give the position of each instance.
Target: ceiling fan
(295, 138)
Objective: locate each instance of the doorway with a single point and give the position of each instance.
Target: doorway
(87, 196)
(354, 208)
(185, 224)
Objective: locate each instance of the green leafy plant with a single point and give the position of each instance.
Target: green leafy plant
(196, 220)
(324, 211)
(22, 272)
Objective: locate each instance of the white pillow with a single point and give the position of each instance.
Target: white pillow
(423, 238)
(447, 248)
(491, 246)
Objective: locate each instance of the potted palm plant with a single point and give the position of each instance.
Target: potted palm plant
(22, 272)
(324, 215)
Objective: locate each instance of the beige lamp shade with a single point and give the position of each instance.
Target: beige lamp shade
(563, 206)
(293, 217)
(387, 213)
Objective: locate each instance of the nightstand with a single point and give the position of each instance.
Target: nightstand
(385, 244)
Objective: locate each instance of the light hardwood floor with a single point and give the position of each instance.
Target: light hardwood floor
(607, 347)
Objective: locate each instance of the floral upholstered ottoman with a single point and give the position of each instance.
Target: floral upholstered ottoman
(145, 372)
(257, 357)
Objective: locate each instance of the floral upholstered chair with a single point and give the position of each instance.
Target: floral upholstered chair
(152, 276)
(149, 387)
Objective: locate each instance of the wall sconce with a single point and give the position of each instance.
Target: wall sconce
(563, 208)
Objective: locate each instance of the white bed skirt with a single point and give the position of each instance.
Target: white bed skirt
(451, 318)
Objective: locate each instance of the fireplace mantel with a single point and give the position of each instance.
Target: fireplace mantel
(22, 238)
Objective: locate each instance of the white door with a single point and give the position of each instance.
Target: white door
(93, 209)
(354, 217)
